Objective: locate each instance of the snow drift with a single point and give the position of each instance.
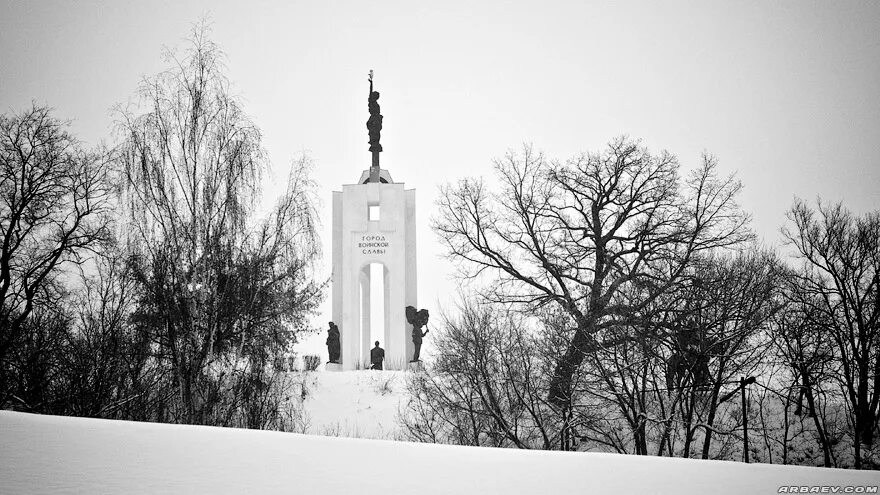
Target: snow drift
(50, 454)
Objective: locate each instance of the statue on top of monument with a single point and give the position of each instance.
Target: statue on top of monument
(374, 125)
(417, 319)
(333, 343)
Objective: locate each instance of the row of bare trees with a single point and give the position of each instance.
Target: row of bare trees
(624, 306)
(137, 281)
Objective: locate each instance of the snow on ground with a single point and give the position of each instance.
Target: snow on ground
(361, 404)
(51, 454)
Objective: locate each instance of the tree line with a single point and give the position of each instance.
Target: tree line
(620, 304)
(136, 281)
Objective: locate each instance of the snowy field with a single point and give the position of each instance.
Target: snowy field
(51, 454)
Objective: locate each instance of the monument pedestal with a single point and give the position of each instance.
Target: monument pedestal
(333, 367)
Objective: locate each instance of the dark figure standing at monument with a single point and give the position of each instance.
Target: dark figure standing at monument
(377, 355)
(333, 343)
(417, 319)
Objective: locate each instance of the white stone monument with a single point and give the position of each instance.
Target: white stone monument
(373, 222)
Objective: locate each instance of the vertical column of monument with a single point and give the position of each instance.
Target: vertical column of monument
(366, 322)
(410, 266)
(350, 309)
(353, 222)
(337, 271)
(348, 289)
(394, 228)
(386, 286)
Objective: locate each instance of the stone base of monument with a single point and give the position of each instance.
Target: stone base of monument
(333, 367)
(415, 366)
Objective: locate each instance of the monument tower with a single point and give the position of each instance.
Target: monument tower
(374, 223)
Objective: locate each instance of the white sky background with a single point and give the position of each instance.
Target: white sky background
(785, 93)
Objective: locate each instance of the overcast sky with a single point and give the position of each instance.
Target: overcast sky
(786, 94)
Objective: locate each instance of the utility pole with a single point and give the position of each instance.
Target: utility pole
(563, 437)
(743, 382)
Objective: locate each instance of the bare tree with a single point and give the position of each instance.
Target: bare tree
(53, 196)
(670, 371)
(809, 358)
(582, 234)
(841, 282)
(216, 287)
(734, 299)
(107, 365)
(487, 387)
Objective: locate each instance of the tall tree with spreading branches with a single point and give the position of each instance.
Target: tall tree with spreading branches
(601, 236)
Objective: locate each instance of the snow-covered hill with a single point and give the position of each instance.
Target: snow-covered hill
(361, 404)
(49, 454)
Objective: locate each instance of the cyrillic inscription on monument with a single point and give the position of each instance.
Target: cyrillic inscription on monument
(373, 244)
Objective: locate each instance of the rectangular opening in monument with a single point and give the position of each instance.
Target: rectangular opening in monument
(373, 211)
(377, 305)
